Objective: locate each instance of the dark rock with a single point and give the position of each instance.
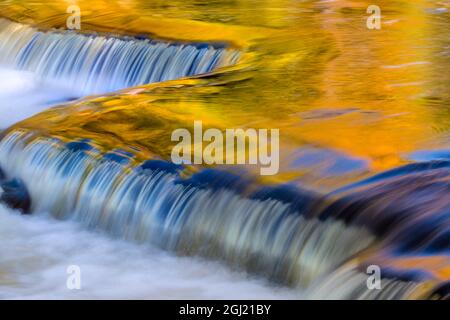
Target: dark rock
(160, 165)
(409, 207)
(442, 292)
(15, 195)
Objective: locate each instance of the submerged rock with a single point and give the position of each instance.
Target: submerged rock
(15, 195)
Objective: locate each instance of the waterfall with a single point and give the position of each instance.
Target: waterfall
(292, 237)
(150, 203)
(349, 283)
(92, 64)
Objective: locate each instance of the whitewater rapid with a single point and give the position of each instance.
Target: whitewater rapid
(37, 250)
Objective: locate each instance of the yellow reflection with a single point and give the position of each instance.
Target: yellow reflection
(311, 69)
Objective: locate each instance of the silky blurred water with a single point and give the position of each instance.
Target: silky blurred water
(36, 252)
(22, 95)
(349, 102)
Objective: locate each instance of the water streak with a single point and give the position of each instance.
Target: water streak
(263, 236)
(90, 64)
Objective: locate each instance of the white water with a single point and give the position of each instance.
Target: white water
(36, 251)
(23, 95)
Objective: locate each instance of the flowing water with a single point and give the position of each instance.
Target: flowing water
(36, 252)
(364, 164)
(41, 69)
(23, 94)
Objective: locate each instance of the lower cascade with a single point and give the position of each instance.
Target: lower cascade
(294, 244)
(266, 237)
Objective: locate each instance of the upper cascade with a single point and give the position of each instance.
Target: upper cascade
(92, 64)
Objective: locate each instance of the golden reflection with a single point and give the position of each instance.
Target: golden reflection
(309, 68)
